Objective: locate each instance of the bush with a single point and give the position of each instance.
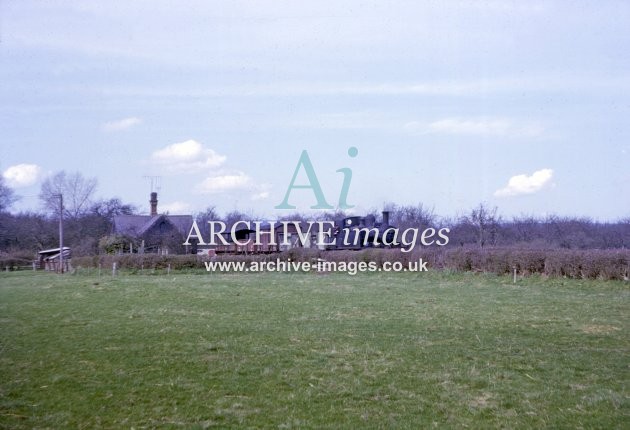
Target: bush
(139, 261)
(527, 261)
(591, 264)
(564, 263)
(605, 265)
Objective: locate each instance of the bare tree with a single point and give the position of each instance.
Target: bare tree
(107, 209)
(524, 228)
(486, 222)
(7, 196)
(77, 193)
(462, 231)
(202, 218)
(410, 216)
(234, 216)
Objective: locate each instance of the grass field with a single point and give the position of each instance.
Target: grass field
(312, 351)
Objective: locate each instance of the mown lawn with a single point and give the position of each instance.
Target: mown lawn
(312, 351)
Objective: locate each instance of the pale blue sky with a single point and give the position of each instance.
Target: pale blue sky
(523, 105)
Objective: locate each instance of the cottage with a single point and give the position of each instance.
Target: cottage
(156, 233)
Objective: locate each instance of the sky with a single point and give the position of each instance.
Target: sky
(520, 105)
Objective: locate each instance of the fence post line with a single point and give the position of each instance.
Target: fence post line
(114, 268)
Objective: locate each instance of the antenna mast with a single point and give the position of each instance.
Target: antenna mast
(155, 182)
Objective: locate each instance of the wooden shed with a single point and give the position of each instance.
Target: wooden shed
(49, 259)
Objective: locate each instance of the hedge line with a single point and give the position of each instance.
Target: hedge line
(580, 264)
(15, 260)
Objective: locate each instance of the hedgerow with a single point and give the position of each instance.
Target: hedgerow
(579, 264)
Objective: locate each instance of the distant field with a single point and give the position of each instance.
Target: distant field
(312, 351)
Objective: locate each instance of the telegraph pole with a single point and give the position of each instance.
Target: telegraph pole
(61, 233)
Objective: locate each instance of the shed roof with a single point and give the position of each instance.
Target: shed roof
(51, 251)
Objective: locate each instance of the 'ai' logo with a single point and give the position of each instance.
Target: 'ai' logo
(313, 183)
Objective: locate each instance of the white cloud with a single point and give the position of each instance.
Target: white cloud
(122, 124)
(261, 192)
(523, 184)
(260, 195)
(22, 175)
(234, 181)
(223, 183)
(187, 156)
(475, 126)
(175, 208)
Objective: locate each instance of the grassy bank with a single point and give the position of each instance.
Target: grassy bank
(312, 351)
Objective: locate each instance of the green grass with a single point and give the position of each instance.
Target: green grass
(312, 351)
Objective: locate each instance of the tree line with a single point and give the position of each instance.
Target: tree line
(88, 220)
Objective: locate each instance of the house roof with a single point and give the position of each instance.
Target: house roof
(137, 225)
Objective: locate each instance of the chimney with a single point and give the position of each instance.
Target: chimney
(153, 202)
(385, 217)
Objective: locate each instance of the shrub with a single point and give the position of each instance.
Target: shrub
(527, 261)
